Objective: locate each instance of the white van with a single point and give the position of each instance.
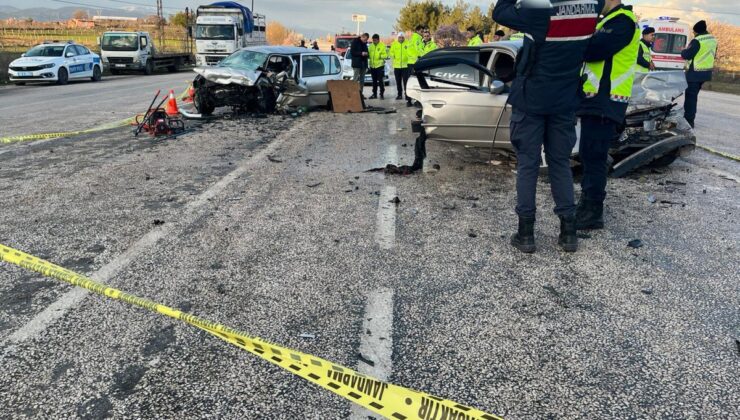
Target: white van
(671, 36)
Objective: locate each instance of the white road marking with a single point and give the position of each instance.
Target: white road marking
(72, 298)
(392, 126)
(376, 343)
(391, 156)
(385, 231)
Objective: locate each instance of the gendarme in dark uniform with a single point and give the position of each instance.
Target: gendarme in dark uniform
(544, 97)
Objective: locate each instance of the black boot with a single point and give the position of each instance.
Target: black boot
(590, 214)
(568, 239)
(373, 96)
(523, 240)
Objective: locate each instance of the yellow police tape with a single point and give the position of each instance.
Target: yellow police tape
(13, 139)
(719, 153)
(391, 401)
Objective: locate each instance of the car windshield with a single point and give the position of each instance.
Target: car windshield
(120, 42)
(225, 32)
(244, 60)
(45, 51)
(343, 43)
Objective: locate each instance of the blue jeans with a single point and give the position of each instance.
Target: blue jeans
(557, 133)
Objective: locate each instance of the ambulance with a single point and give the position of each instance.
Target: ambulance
(671, 36)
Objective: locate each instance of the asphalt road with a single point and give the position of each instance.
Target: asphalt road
(39, 108)
(273, 226)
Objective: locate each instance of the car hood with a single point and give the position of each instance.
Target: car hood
(657, 88)
(34, 61)
(228, 75)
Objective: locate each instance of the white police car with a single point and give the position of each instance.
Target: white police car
(56, 62)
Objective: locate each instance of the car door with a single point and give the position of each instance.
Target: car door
(461, 105)
(316, 70)
(70, 60)
(85, 59)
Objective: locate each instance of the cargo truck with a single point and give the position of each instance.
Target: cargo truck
(224, 27)
(121, 51)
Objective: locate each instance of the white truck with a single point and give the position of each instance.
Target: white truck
(121, 51)
(224, 27)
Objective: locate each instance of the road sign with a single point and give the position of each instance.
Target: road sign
(359, 18)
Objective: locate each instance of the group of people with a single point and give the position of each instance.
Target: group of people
(573, 64)
(403, 53)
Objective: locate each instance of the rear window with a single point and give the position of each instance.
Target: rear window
(669, 43)
(459, 73)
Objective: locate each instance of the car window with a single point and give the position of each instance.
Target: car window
(71, 51)
(45, 51)
(336, 66)
(279, 63)
(244, 60)
(459, 73)
(81, 50)
(318, 65)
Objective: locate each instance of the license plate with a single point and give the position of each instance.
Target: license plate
(120, 65)
(25, 74)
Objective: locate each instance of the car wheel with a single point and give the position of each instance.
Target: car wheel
(202, 102)
(97, 74)
(149, 68)
(62, 76)
(267, 100)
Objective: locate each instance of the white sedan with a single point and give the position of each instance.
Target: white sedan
(56, 63)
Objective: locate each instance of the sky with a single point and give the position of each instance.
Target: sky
(321, 17)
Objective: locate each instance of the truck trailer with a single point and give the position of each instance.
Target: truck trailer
(224, 27)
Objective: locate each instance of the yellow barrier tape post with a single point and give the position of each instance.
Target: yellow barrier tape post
(41, 136)
(391, 401)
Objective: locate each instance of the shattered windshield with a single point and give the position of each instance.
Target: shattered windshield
(223, 32)
(45, 51)
(244, 60)
(120, 42)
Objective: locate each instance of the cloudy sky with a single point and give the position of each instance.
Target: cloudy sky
(319, 17)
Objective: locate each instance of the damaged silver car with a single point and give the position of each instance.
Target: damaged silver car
(463, 94)
(266, 79)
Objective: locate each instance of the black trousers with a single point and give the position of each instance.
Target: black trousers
(378, 75)
(690, 101)
(402, 76)
(596, 138)
(557, 133)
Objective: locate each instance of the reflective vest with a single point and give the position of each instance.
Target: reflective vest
(647, 56)
(704, 59)
(475, 41)
(519, 36)
(623, 65)
(428, 47)
(377, 55)
(400, 55)
(417, 42)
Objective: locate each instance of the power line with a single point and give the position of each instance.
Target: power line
(141, 4)
(97, 6)
(689, 10)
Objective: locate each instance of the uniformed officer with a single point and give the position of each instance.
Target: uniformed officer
(544, 97)
(378, 54)
(517, 36)
(700, 55)
(428, 45)
(400, 56)
(610, 71)
(473, 38)
(644, 56)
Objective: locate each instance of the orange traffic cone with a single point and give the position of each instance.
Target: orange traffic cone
(191, 94)
(171, 108)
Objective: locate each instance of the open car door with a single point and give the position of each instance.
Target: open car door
(462, 100)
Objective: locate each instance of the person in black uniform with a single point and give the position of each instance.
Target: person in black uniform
(700, 53)
(544, 97)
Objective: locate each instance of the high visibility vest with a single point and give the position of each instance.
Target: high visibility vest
(428, 47)
(377, 55)
(474, 41)
(647, 56)
(519, 36)
(704, 59)
(623, 65)
(417, 43)
(400, 55)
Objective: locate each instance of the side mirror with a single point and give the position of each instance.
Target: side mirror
(497, 87)
(69, 54)
(23, 55)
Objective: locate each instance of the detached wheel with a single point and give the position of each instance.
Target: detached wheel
(62, 76)
(97, 74)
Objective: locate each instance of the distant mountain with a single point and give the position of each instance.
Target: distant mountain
(44, 14)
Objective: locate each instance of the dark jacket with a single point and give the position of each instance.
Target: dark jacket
(548, 73)
(605, 44)
(641, 52)
(693, 76)
(356, 49)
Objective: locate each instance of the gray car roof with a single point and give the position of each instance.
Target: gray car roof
(268, 49)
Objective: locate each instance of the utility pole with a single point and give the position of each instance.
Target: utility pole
(160, 23)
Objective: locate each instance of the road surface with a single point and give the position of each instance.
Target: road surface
(273, 226)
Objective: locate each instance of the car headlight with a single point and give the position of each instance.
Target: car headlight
(137, 59)
(48, 66)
